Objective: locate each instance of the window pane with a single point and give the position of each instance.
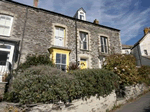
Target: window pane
(1, 30)
(101, 40)
(106, 49)
(6, 31)
(2, 20)
(3, 57)
(58, 66)
(84, 45)
(63, 67)
(63, 59)
(102, 48)
(57, 58)
(56, 32)
(8, 22)
(61, 32)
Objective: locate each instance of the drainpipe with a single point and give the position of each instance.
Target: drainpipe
(21, 43)
(76, 41)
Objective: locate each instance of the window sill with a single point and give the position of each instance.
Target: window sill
(84, 50)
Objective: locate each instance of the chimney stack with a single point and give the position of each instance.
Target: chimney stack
(36, 2)
(96, 21)
(146, 30)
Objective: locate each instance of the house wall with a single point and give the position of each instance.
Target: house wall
(145, 61)
(136, 52)
(145, 45)
(124, 51)
(36, 33)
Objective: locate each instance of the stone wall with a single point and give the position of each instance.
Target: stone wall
(34, 28)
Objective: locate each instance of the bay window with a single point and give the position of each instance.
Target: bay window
(61, 61)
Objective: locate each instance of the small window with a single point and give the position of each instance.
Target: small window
(145, 52)
(81, 16)
(104, 45)
(4, 57)
(84, 40)
(61, 61)
(5, 25)
(59, 36)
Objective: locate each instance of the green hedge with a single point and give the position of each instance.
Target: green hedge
(95, 81)
(144, 73)
(34, 60)
(45, 84)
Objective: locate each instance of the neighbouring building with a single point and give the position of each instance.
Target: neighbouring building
(141, 50)
(126, 49)
(28, 30)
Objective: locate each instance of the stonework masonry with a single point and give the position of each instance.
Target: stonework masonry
(34, 29)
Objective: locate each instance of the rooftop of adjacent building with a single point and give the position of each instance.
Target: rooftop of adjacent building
(126, 46)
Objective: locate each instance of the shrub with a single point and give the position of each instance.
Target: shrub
(144, 73)
(124, 66)
(34, 60)
(73, 66)
(42, 84)
(95, 82)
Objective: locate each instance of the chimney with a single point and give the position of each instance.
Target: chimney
(36, 2)
(146, 30)
(96, 21)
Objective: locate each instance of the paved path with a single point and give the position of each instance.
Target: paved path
(140, 105)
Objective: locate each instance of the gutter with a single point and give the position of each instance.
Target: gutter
(21, 43)
(139, 55)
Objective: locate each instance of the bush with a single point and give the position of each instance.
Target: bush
(34, 60)
(124, 66)
(95, 82)
(44, 84)
(144, 73)
(73, 66)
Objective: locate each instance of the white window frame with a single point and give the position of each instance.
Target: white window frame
(60, 64)
(6, 26)
(84, 41)
(104, 44)
(59, 37)
(81, 15)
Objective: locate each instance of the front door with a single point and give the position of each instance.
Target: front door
(83, 63)
(6, 56)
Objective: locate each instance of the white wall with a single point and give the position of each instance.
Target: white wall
(124, 51)
(145, 45)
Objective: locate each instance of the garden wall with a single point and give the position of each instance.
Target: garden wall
(94, 104)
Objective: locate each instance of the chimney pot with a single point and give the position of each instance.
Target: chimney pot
(96, 21)
(36, 2)
(146, 30)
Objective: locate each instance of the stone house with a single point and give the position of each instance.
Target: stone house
(141, 50)
(28, 30)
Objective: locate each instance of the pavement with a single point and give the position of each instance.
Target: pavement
(140, 105)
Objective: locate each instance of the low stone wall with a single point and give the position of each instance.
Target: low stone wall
(2, 89)
(93, 104)
(134, 90)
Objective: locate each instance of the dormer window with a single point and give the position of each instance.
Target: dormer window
(81, 16)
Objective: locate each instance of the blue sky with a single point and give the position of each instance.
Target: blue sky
(130, 16)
